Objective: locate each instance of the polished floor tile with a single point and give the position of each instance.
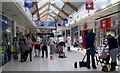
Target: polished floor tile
(45, 64)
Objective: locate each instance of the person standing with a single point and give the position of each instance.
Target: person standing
(113, 48)
(28, 48)
(52, 44)
(68, 43)
(15, 44)
(22, 45)
(90, 48)
(37, 46)
(44, 47)
(119, 41)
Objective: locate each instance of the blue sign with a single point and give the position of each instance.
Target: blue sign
(65, 21)
(4, 23)
(74, 29)
(49, 24)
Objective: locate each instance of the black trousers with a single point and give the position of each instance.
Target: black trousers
(22, 56)
(28, 52)
(44, 48)
(91, 52)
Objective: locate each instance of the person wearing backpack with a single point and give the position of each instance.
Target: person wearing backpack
(44, 47)
(90, 48)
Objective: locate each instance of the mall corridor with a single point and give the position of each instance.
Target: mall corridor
(56, 35)
(57, 64)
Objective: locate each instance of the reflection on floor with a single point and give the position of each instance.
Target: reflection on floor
(57, 64)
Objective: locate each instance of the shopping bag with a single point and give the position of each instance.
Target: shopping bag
(12, 49)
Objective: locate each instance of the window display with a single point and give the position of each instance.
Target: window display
(6, 38)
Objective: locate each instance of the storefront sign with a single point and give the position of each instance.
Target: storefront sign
(105, 23)
(89, 5)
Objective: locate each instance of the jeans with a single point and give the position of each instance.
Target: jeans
(113, 54)
(90, 52)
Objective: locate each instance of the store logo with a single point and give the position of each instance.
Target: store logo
(104, 24)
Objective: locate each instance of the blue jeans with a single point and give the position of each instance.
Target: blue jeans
(91, 52)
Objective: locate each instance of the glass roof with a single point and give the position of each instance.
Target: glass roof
(58, 3)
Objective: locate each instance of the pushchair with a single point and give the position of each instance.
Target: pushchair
(60, 51)
(104, 56)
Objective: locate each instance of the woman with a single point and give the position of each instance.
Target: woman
(15, 44)
(68, 43)
(113, 48)
(52, 44)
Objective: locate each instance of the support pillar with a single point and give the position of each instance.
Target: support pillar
(14, 28)
(78, 30)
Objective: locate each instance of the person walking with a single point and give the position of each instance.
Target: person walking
(90, 48)
(113, 48)
(44, 47)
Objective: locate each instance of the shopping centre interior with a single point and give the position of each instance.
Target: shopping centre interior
(56, 17)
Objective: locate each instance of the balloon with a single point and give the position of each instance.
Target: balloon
(65, 21)
(28, 4)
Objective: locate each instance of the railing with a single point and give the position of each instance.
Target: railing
(98, 5)
(25, 10)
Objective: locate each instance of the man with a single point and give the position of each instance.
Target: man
(44, 48)
(90, 38)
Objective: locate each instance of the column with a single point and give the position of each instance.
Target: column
(14, 28)
(65, 33)
(78, 30)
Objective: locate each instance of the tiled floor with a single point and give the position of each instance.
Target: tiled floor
(57, 64)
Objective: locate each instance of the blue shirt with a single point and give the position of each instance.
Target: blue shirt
(89, 39)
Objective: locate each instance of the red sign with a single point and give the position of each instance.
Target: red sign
(89, 5)
(105, 23)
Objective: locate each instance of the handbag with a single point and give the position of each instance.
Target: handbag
(83, 63)
(12, 49)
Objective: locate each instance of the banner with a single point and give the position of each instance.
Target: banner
(105, 23)
(89, 5)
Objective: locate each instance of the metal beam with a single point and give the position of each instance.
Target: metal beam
(58, 15)
(40, 8)
(71, 6)
(55, 6)
(51, 16)
(44, 11)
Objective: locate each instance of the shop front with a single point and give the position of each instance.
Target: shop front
(74, 33)
(109, 25)
(6, 39)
